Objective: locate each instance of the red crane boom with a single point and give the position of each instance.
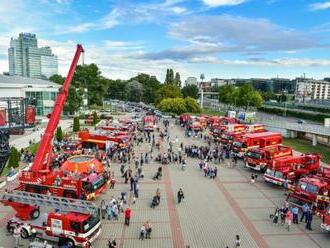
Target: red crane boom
(43, 156)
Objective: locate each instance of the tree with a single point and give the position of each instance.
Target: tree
(168, 91)
(248, 96)
(150, 86)
(227, 94)
(190, 91)
(134, 91)
(116, 89)
(59, 134)
(89, 76)
(173, 105)
(169, 79)
(269, 95)
(95, 118)
(177, 80)
(56, 78)
(13, 158)
(191, 105)
(76, 124)
(74, 100)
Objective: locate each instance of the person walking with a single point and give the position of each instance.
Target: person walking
(295, 212)
(142, 232)
(305, 209)
(103, 209)
(237, 242)
(288, 219)
(180, 195)
(17, 235)
(148, 230)
(128, 213)
(309, 218)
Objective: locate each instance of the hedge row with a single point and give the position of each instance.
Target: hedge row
(296, 113)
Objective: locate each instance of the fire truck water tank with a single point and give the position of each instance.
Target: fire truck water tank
(30, 115)
(82, 164)
(3, 116)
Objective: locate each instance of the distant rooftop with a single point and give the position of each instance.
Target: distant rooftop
(11, 80)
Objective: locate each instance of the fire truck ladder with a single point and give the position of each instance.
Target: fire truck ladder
(62, 204)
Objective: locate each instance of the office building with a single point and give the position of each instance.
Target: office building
(312, 90)
(43, 91)
(27, 60)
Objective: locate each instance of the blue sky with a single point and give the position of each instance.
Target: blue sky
(220, 38)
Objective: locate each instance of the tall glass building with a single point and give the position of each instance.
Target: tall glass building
(27, 60)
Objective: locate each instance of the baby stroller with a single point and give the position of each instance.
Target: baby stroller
(154, 202)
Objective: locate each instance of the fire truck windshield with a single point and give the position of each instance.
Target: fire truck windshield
(239, 144)
(227, 137)
(310, 188)
(254, 155)
(89, 223)
(99, 182)
(273, 173)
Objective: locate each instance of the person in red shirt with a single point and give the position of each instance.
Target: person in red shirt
(127, 213)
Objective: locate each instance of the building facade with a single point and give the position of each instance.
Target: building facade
(43, 91)
(27, 60)
(312, 90)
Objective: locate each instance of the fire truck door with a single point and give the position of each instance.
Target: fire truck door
(56, 226)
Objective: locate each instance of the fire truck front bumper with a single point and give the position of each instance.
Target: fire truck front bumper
(273, 180)
(253, 166)
(325, 227)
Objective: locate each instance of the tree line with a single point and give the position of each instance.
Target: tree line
(141, 88)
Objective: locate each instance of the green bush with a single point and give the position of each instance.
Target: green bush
(174, 105)
(95, 118)
(192, 105)
(59, 134)
(296, 113)
(13, 158)
(76, 124)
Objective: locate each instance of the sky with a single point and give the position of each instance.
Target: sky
(219, 38)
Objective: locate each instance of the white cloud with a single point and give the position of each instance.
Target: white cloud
(240, 34)
(216, 3)
(320, 5)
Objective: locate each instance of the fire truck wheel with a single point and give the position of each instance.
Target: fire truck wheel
(24, 234)
(71, 243)
(35, 214)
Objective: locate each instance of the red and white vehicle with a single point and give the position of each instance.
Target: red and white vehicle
(79, 226)
(313, 189)
(292, 168)
(326, 220)
(255, 140)
(227, 138)
(184, 119)
(149, 122)
(260, 158)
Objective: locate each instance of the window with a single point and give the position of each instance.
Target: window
(75, 226)
(46, 95)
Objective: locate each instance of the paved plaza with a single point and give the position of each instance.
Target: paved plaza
(213, 211)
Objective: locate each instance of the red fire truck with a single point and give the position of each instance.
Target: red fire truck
(100, 138)
(255, 140)
(227, 138)
(149, 122)
(292, 168)
(184, 119)
(214, 120)
(313, 189)
(260, 158)
(74, 221)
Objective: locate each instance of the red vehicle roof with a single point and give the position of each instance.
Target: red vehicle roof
(77, 217)
(259, 135)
